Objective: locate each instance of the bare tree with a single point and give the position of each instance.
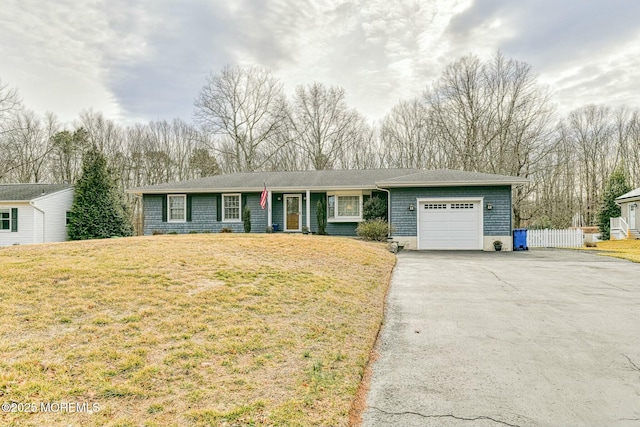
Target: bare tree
(459, 107)
(245, 108)
(68, 150)
(323, 126)
(407, 137)
(9, 104)
(589, 131)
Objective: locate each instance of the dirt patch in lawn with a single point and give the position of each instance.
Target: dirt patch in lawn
(189, 330)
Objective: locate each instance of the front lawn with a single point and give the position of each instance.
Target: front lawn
(625, 249)
(189, 330)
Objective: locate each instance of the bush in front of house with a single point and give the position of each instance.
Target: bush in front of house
(374, 229)
(373, 208)
(321, 216)
(246, 219)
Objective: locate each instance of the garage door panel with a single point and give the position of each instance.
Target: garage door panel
(450, 225)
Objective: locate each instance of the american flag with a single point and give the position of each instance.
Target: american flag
(263, 198)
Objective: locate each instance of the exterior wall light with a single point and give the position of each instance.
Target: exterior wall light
(412, 207)
(489, 206)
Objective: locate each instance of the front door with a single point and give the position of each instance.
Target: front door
(632, 216)
(292, 212)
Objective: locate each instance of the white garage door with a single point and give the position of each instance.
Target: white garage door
(450, 225)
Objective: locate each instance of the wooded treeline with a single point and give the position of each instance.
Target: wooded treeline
(491, 117)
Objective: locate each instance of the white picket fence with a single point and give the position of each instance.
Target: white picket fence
(569, 238)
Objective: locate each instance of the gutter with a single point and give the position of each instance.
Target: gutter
(388, 209)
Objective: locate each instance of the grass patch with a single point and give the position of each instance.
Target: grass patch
(206, 329)
(625, 249)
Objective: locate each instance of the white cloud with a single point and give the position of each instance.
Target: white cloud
(53, 54)
(147, 59)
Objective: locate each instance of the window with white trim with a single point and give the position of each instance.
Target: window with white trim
(344, 207)
(231, 211)
(177, 208)
(5, 219)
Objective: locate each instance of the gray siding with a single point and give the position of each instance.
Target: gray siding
(497, 222)
(203, 215)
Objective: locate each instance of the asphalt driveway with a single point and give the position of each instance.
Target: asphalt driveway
(538, 338)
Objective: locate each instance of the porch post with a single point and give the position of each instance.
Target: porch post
(309, 210)
(269, 218)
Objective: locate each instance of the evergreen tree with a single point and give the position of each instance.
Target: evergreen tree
(98, 210)
(617, 185)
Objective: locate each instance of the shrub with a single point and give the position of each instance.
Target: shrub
(373, 208)
(157, 232)
(321, 215)
(269, 229)
(374, 229)
(226, 230)
(246, 219)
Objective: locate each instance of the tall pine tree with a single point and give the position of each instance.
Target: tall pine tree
(617, 185)
(98, 210)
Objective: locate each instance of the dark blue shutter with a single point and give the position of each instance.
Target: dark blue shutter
(189, 203)
(14, 220)
(164, 208)
(219, 207)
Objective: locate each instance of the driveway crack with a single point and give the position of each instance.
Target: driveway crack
(500, 279)
(482, 417)
(633, 365)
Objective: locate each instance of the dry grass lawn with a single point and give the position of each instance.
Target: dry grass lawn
(191, 330)
(625, 249)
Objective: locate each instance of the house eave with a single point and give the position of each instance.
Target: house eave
(627, 200)
(140, 191)
(452, 184)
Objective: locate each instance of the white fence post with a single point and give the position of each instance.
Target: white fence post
(569, 238)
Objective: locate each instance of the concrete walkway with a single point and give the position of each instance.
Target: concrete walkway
(538, 338)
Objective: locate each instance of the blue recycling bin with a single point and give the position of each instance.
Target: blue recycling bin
(520, 239)
(275, 227)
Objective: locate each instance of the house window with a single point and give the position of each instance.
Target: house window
(177, 208)
(5, 219)
(344, 207)
(68, 218)
(231, 207)
(331, 206)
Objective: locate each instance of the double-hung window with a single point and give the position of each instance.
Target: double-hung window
(344, 207)
(177, 208)
(231, 211)
(5, 219)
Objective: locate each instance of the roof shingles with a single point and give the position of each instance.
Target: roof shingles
(26, 192)
(329, 179)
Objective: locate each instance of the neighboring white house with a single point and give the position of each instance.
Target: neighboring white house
(34, 213)
(628, 224)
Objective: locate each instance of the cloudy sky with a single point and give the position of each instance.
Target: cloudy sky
(141, 60)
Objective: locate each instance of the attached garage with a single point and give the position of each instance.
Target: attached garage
(450, 224)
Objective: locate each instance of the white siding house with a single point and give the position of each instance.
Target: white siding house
(34, 213)
(627, 226)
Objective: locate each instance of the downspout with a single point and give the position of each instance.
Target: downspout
(43, 220)
(388, 209)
